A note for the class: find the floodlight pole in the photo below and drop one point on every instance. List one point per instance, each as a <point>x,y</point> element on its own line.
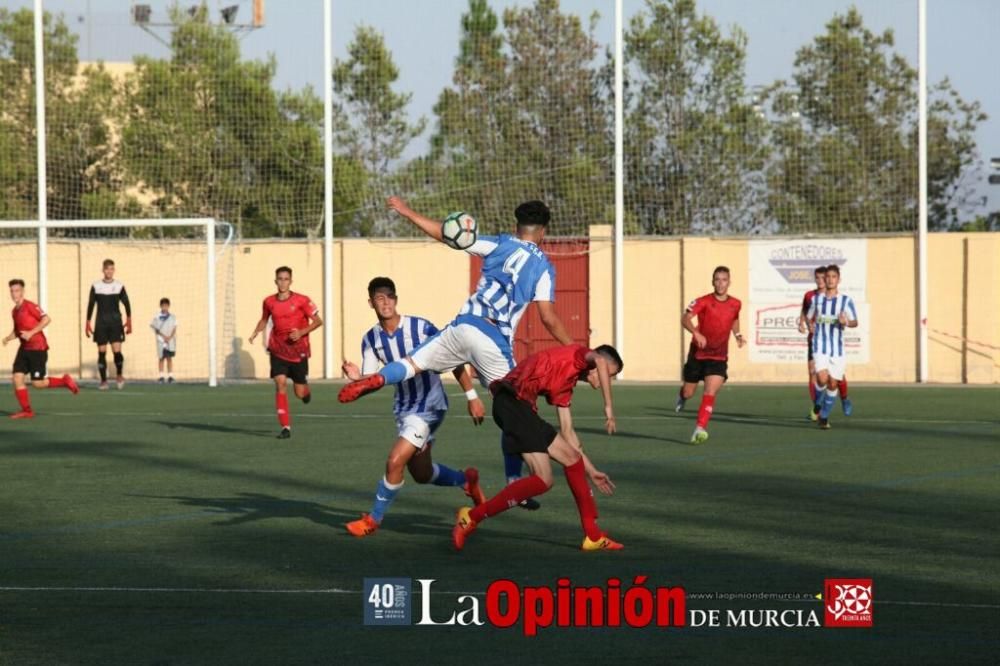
<point>328,366</point>
<point>619,256</point>
<point>43,204</point>
<point>922,340</point>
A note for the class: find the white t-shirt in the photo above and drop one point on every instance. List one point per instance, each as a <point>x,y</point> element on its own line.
<point>164,325</point>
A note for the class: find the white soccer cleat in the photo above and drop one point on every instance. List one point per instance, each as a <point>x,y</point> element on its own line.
<point>679,407</point>
<point>700,436</point>
<point>120,383</point>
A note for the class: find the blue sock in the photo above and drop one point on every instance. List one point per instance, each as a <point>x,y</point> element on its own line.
<point>820,392</point>
<point>384,494</point>
<point>512,465</point>
<point>828,401</point>
<point>395,372</point>
<point>446,476</point>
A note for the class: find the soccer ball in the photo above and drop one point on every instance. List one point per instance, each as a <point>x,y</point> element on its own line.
<point>459,231</point>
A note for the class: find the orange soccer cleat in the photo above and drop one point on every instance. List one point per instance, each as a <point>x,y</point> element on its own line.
<point>70,384</point>
<point>363,526</point>
<point>26,414</point>
<point>604,543</point>
<point>464,526</point>
<point>362,387</point>
<point>471,486</point>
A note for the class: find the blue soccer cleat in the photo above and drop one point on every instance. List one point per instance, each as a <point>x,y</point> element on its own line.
<point>848,406</point>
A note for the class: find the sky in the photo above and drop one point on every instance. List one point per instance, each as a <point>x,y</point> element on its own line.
<point>423,36</point>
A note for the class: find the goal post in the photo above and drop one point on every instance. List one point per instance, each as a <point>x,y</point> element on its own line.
<point>76,232</point>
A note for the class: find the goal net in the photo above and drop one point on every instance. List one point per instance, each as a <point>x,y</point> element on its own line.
<point>184,260</point>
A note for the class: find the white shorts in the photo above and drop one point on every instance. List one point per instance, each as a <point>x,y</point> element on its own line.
<point>419,429</point>
<point>468,339</point>
<point>836,366</point>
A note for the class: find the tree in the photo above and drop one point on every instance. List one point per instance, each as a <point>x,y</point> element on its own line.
<point>526,121</point>
<point>372,128</point>
<point>694,144</point>
<point>846,138</point>
<point>206,135</point>
<point>83,179</point>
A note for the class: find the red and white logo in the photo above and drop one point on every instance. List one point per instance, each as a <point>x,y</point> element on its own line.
<point>847,602</point>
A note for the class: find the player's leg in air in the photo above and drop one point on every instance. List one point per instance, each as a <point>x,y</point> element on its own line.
<point>412,451</point>
<point>713,383</point>
<point>538,483</point>
<point>815,388</point>
<point>33,364</point>
<point>826,375</point>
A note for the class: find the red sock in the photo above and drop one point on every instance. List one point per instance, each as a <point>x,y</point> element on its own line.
<point>512,495</point>
<point>576,477</point>
<point>56,382</point>
<point>843,388</point>
<point>705,410</point>
<point>281,405</point>
<point>22,397</point>
<point>812,391</point>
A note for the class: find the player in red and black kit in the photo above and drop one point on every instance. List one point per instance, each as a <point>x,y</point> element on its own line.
<point>718,315</point>
<point>552,373</point>
<point>820,276</point>
<point>33,354</point>
<point>293,317</point>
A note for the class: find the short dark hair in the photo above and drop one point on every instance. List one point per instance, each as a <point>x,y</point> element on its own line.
<point>819,269</point>
<point>282,269</point>
<point>833,268</point>
<point>720,269</point>
<point>532,213</point>
<point>610,353</point>
<point>381,284</point>
<point>164,301</point>
<point>16,281</point>
<point>108,262</point>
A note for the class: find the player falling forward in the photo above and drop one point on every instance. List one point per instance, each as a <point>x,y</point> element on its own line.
<point>293,317</point>
<point>420,406</point>
<point>814,388</point>
<point>718,315</point>
<point>515,273</point>
<point>552,373</point>
<point>108,294</point>
<point>33,354</point>
<point>830,313</point>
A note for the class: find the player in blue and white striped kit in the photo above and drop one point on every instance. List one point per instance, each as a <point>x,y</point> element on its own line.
<point>516,272</point>
<point>420,406</point>
<point>829,314</point>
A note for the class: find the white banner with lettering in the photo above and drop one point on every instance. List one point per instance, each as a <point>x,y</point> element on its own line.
<point>781,272</point>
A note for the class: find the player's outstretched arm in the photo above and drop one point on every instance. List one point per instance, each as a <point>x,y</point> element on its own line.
<point>553,324</point>
<point>604,375</point>
<point>430,227</point>
<point>476,408</point>
<point>566,430</point>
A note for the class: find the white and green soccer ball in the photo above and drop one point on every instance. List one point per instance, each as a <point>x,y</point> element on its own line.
<point>459,231</point>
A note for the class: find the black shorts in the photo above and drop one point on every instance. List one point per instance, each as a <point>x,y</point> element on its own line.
<point>524,431</point>
<point>105,333</point>
<point>696,370</point>
<point>297,372</point>
<point>31,363</point>
<point>166,353</point>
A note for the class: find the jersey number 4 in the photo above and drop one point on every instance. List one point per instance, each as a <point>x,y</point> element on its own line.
<point>515,262</point>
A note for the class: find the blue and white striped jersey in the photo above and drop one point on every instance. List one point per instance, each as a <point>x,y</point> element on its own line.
<point>825,311</point>
<point>423,393</point>
<point>515,273</point>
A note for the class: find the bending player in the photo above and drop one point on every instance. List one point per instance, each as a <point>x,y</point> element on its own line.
<point>420,406</point>
<point>107,294</point>
<point>815,389</point>
<point>718,315</point>
<point>293,317</point>
<point>552,373</point>
<point>33,354</point>
<point>830,313</point>
<point>515,273</point>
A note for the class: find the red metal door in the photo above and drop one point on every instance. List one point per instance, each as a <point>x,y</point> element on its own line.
<point>571,260</point>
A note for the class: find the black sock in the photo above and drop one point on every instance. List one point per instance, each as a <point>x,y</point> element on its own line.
<point>102,365</point>
<point>119,362</point>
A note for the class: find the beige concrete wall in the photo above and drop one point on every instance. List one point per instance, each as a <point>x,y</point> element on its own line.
<point>661,276</point>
